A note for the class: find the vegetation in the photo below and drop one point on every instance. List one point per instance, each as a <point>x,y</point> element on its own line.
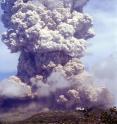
<point>89,116</point>
<point>109,116</point>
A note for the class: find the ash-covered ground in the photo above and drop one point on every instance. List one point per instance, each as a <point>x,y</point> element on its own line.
<point>86,116</point>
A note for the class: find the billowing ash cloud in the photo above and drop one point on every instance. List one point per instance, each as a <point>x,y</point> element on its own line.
<point>51,38</point>
<point>13,87</point>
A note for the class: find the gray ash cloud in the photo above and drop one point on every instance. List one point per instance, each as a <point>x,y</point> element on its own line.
<point>51,38</point>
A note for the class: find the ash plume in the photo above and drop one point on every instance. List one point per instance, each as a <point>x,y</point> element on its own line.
<point>51,38</point>
<point>13,87</point>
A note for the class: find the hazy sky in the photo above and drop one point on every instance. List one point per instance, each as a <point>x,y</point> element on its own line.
<point>102,60</point>
<point>102,45</point>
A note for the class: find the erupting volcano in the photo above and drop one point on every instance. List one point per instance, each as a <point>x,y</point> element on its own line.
<point>51,37</point>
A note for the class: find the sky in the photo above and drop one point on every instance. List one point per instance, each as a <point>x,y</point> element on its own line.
<point>104,13</point>
<point>102,48</point>
<point>101,58</point>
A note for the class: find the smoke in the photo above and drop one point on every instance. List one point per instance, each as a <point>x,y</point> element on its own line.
<point>13,88</point>
<point>51,38</point>
<point>106,72</point>
<point>54,82</point>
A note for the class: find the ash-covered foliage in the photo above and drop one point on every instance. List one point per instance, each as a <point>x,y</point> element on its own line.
<point>87,116</point>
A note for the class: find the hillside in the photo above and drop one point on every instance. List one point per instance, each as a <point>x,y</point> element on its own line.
<point>90,116</point>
